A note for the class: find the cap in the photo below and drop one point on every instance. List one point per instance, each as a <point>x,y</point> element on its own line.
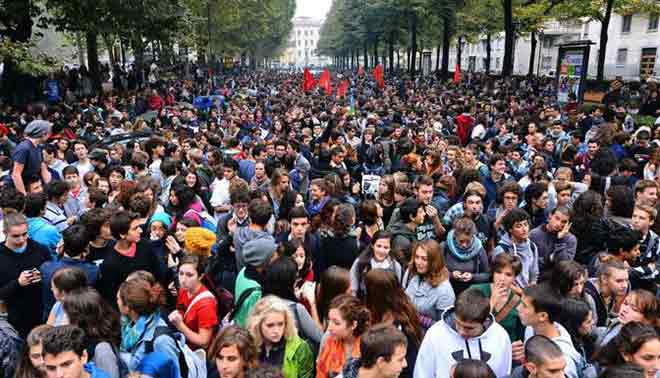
<point>98,155</point>
<point>37,129</point>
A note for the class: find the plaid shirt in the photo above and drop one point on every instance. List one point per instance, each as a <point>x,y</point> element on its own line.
<point>10,346</point>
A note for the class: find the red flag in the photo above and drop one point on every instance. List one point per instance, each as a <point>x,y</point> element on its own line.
<point>457,74</point>
<point>324,81</point>
<point>378,76</point>
<point>342,88</point>
<point>308,82</point>
<point>360,71</point>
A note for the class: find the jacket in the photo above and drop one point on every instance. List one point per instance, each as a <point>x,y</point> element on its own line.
<point>10,347</point>
<point>575,362</point>
<point>529,256</point>
<point>163,343</point>
<point>243,282</point>
<point>402,238</point>
<point>49,268</point>
<point>24,303</point>
<point>428,300</point>
<point>357,278</point>
<point>44,233</point>
<point>443,347</point>
<point>298,359</point>
<point>552,249</point>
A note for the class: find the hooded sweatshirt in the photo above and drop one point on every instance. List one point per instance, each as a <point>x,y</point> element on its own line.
<point>244,235</point>
<point>402,237</point>
<point>443,347</point>
<point>529,256</point>
<point>575,363</point>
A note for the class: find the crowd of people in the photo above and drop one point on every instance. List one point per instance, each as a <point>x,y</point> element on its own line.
<point>248,228</point>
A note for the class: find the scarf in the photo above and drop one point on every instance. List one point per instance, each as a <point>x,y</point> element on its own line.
<point>132,333</point>
<point>464,254</point>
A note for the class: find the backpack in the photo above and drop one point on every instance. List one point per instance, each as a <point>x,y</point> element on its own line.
<point>207,220</point>
<point>229,318</point>
<point>191,364</point>
<point>121,364</point>
<point>223,297</point>
<point>293,306</point>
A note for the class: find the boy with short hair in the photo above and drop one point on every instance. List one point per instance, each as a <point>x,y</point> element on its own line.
<point>645,273</point>
<point>516,241</point>
<point>539,308</point>
<point>65,354</point>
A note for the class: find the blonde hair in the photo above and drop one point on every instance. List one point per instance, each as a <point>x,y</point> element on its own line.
<point>264,307</point>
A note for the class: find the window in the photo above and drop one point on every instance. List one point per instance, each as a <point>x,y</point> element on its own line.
<point>547,42</point>
<point>621,57</point>
<point>546,62</point>
<point>653,21</point>
<point>497,63</point>
<point>625,25</point>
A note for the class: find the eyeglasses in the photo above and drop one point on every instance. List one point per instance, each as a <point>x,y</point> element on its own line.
<point>241,205</point>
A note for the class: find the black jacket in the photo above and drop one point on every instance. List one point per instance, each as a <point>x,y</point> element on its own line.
<point>24,304</point>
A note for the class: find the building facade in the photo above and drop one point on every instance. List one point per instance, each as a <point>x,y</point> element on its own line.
<point>633,48</point>
<point>301,46</point>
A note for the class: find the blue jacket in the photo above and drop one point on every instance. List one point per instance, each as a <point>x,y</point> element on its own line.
<point>95,372</point>
<point>45,234</point>
<point>163,343</point>
<point>49,268</point>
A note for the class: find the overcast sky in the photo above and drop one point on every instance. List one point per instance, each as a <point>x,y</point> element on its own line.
<point>313,8</point>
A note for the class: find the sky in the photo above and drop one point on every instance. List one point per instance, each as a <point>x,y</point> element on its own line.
<point>313,8</point>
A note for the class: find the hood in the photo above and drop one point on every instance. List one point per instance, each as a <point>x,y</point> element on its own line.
<point>523,250</point>
<point>482,347</point>
<point>400,228</point>
<point>245,234</point>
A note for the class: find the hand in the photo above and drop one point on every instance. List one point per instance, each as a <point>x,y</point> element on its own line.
<point>518,351</point>
<point>457,275</point>
<point>562,234</point>
<point>467,276</point>
<point>71,220</point>
<point>431,211</point>
<point>309,292</point>
<point>25,278</point>
<point>173,290</point>
<point>231,225</point>
<point>175,318</point>
<point>35,276</point>
<point>172,244</point>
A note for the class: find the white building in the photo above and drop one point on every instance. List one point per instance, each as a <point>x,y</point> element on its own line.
<point>632,50</point>
<point>301,48</point>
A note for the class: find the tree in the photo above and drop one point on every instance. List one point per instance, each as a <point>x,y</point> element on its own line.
<point>479,20</point>
<point>601,11</point>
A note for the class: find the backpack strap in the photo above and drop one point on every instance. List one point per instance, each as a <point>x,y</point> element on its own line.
<point>504,311</point>
<point>241,299</point>
<point>199,297</point>
<point>166,331</point>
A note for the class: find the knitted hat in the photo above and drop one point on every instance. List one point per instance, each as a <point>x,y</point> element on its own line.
<point>198,241</point>
<point>162,218</point>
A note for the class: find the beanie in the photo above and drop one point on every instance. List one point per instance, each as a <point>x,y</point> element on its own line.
<point>199,241</point>
<point>258,252</point>
<point>162,218</point>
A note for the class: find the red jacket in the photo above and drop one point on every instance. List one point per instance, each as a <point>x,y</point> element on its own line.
<point>464,124</point>
<point>155,102</point>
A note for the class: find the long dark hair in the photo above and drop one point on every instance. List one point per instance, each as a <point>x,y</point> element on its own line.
<point>574,313</point>
<point>364,260</point>
<point>185,197</point>
<point>281,278</point>
<point>89,311</point>
<point>587,210</point>
<point>385,294</point>
<point>333,282</point>
<point>290,247</point>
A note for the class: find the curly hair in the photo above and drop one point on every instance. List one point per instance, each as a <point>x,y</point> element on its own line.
<point>352,310</point>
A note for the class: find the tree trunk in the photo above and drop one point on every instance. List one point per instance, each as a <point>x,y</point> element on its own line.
<point>366,55</point>
<point>437,58</point>
<point>507,65</point>
<point>398,60</point>
<point>413,43</point>
<point>391,51</point>
<point>376,52</point>
<point>532,53</point>
<point>408,59</point>
<point>446,37</point>
<point>459,51</point>
<point>81,49</point>
<point>93,61</point>
<point>603,40</point>
<point>488,53</point>
<point>421,56</point>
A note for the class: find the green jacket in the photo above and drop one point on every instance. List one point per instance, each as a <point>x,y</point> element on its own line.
<point>298,359</point>
<point>243,283</point>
